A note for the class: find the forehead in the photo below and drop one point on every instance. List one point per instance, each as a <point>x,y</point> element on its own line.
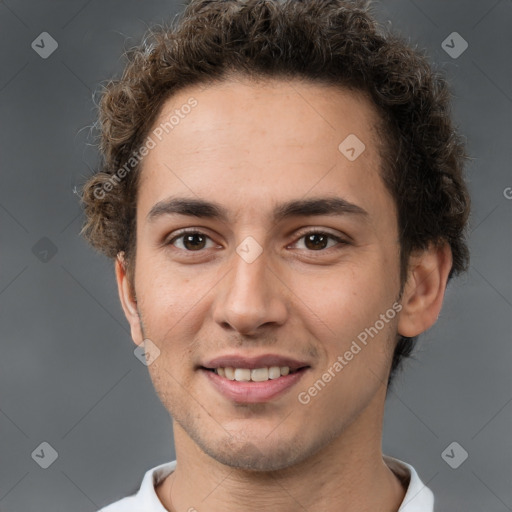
<point>275,137</point>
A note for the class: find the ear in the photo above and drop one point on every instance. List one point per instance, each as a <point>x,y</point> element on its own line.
<point>424,289</point>
<point>128,301</point>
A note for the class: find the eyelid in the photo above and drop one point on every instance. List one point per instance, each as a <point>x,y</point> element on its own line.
<point>341,239</point>
<point>185,231</point>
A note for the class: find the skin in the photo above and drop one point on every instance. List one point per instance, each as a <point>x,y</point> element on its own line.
<point>248,147</point>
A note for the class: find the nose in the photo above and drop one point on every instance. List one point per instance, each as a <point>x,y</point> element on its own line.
<point>250,297</point>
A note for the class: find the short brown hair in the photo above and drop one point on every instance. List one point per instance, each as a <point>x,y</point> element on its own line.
<point>334,42</point>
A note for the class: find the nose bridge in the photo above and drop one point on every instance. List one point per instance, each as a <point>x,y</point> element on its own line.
<point>250,296</point>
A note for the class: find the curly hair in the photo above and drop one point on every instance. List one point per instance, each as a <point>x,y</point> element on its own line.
<point>333,42</point>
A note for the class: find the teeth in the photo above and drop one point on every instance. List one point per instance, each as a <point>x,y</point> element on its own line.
<point>274,372</point>
<point>255,375</point>
<point>259,374</point>
<point>242,374</point>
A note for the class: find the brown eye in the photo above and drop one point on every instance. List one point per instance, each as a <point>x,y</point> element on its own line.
<point>191,241</point>
<point>194,241</point>
<point>316,241</point>
<point>319,240</point>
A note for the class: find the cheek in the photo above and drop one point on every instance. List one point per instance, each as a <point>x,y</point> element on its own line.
<point>168,301</point>
<point>346,322</point>
<point>345,300</point>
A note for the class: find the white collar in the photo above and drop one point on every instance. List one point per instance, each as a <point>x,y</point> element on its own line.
<point>418,498</point>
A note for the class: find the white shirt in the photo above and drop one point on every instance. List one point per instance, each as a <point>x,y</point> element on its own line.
<point>418,497</point>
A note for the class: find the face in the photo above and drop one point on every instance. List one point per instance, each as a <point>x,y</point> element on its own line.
<point>262,243</point>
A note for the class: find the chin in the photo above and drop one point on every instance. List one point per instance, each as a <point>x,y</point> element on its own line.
<point>251,457</point>
<point>255,450</point>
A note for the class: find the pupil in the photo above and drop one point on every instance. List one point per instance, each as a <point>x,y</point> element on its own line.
<point>311,238</point>
<point>189,241</point>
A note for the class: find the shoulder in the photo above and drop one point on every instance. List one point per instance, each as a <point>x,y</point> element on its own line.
<point>418,497</point>
<point>146,498</point>
<point>128,504</point>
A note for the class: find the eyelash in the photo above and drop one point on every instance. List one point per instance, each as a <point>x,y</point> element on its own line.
<point>185,232</point>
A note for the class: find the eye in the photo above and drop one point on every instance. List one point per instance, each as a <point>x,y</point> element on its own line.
<point>195,241</point>
<point>191,241</point>
<point>319,240</point>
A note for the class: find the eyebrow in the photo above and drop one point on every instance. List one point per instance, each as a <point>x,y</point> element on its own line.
<point>296,208</point>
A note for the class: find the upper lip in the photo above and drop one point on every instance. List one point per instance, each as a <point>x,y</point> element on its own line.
<point>265,360</point>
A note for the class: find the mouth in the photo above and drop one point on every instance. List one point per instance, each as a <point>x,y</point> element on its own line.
<point>251,380</point>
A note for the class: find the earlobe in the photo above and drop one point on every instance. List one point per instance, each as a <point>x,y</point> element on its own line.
<point>423,294</point>
<point>128,301</point>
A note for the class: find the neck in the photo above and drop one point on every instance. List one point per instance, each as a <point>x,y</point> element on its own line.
<point>337,478</point>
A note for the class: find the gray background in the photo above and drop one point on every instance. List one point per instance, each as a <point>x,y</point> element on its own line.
<point>68,375</point>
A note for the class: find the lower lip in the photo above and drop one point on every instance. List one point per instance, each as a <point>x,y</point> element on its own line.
<point>250,392</point>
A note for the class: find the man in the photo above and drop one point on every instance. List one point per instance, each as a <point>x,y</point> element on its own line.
<point>282,193</point>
